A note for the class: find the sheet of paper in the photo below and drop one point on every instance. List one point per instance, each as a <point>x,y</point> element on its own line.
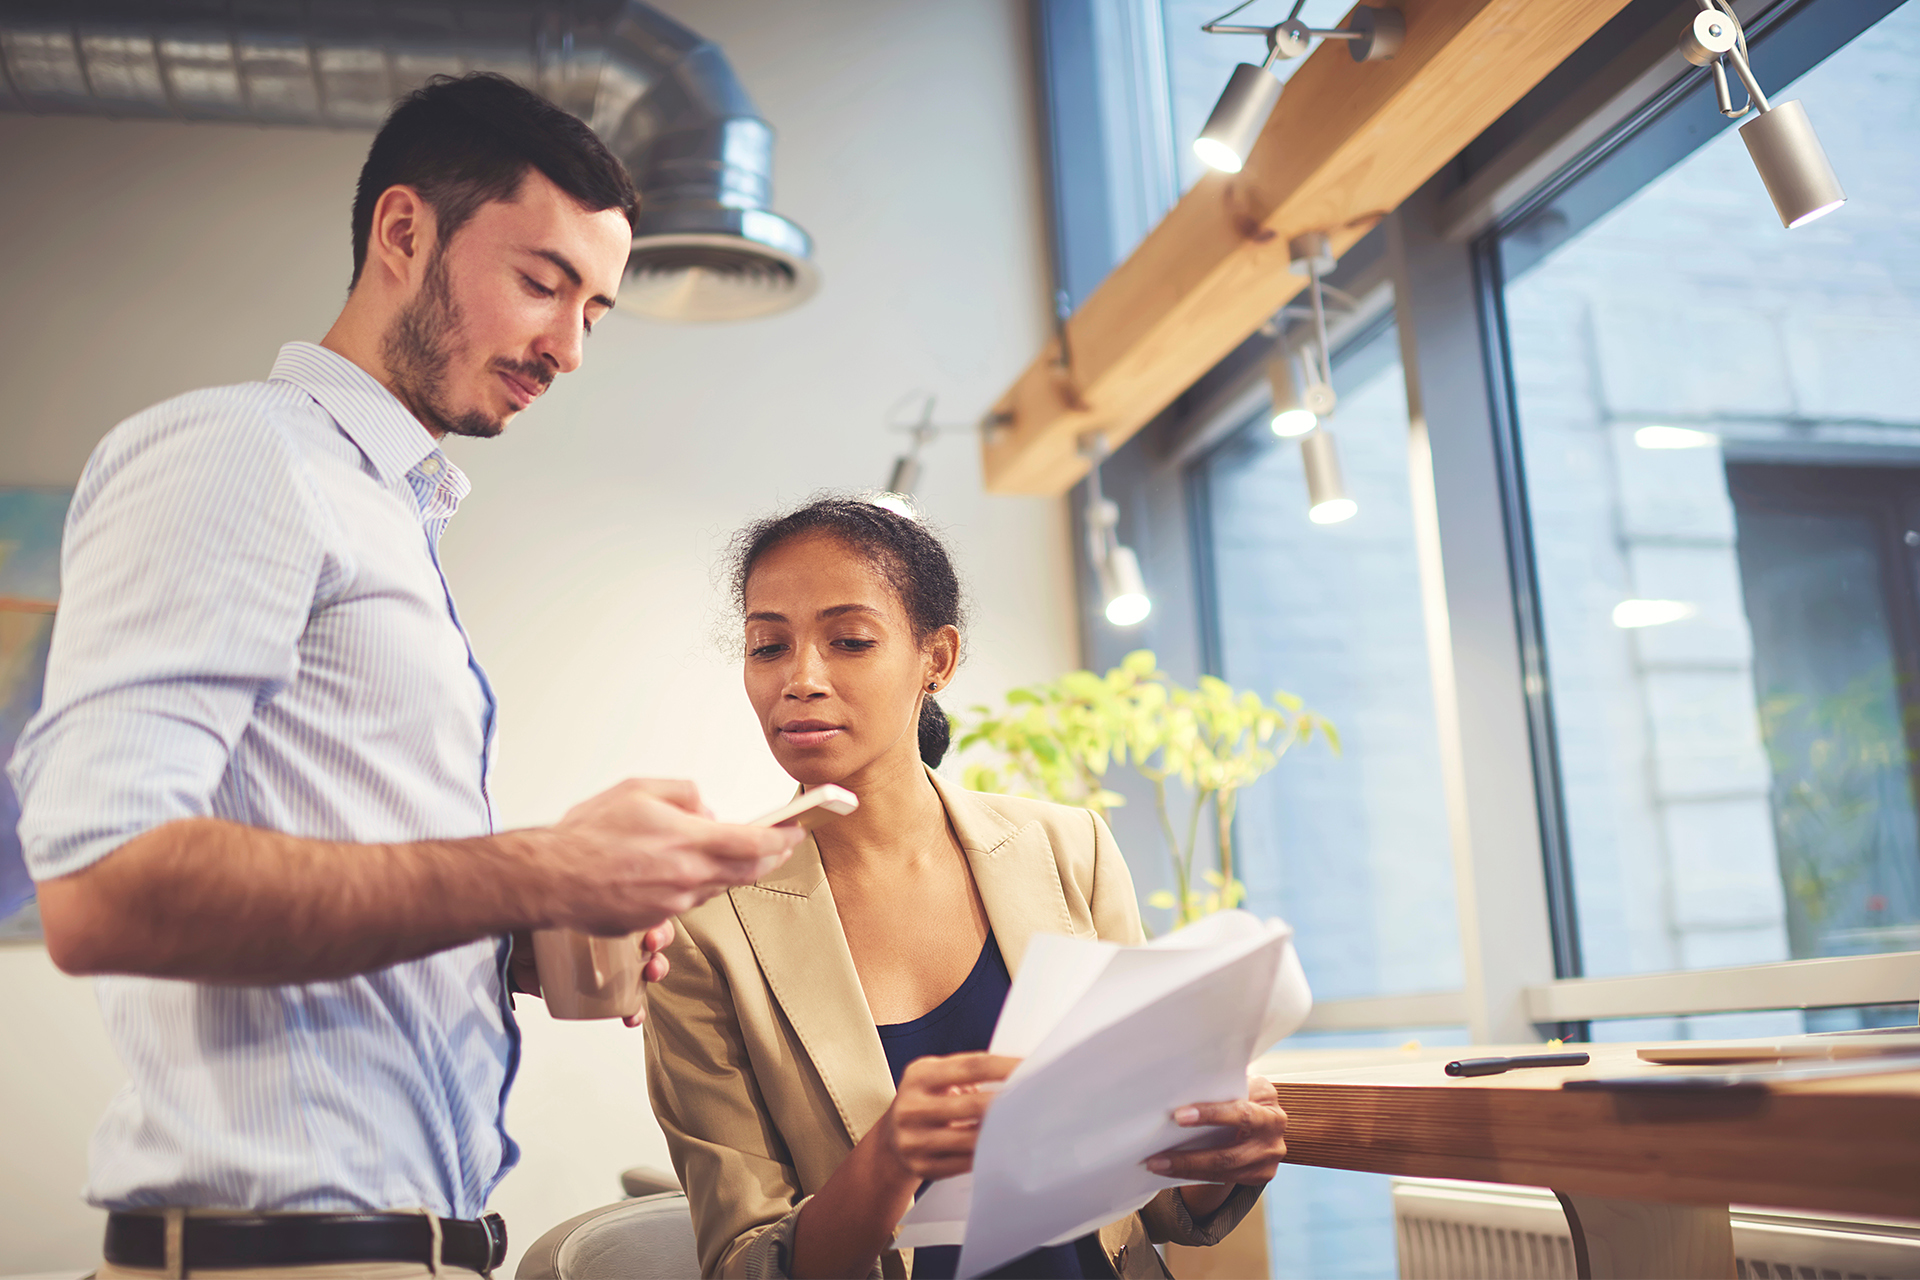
<point>939,1216</point>
<point>1113,1040</point>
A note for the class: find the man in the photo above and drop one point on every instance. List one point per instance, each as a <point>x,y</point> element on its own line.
<point>255,798</point>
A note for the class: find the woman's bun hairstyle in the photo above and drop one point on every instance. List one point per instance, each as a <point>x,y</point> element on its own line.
<point>936,732</point>
<point>904,552</point>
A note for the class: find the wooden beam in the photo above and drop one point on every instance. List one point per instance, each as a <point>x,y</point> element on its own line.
<point>1347,142</point>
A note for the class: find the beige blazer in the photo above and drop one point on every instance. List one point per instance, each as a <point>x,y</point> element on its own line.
<point>762,1059</point>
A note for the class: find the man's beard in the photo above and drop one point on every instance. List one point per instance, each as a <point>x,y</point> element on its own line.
<point>418,349</point>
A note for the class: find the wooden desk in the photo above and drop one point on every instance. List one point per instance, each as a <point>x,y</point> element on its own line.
<point>1645,1178</point>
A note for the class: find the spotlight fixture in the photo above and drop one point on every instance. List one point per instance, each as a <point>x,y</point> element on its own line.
<point>1780,139</point>
<point>1327,500</point>
<point>1251,91</point>
<point>1296,410</point>
<point>904,479</point>
<point>1123,589</point>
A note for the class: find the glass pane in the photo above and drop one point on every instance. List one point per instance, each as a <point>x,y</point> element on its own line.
<point>1351,848</point>
<point>1721,449</point>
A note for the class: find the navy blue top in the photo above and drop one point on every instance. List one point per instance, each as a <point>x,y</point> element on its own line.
<point>963,1023</point>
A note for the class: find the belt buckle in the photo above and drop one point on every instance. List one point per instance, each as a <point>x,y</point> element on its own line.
<point>496,1228</point>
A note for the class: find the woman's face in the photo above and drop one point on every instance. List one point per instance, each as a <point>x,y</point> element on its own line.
<point>833,668</point>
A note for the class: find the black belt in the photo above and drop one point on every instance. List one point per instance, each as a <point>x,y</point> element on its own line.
<point>301,1239</point>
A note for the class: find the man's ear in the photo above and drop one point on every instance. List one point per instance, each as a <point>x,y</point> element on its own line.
<point>400,242</point>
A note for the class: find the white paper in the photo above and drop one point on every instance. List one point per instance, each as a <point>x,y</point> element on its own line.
<point>1112,1040</point>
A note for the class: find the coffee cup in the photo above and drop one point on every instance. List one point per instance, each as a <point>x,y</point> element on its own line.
<point>583,976</point>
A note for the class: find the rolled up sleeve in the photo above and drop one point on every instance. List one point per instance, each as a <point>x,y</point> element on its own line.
<point>191,561</point>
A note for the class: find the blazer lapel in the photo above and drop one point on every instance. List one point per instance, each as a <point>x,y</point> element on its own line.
<point>794,927</point>
<point>1014,869</point>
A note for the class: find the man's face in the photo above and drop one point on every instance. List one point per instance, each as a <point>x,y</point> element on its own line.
<point>504,307</point>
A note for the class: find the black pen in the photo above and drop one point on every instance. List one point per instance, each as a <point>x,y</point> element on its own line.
<point>1494,1066</point>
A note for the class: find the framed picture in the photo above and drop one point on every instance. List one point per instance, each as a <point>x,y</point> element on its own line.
<point>30,523</point>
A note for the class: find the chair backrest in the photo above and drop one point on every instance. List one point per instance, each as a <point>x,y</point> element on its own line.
<point>646,1239</point>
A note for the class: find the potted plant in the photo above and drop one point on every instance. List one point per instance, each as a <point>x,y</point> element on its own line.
<point>1056,741</point>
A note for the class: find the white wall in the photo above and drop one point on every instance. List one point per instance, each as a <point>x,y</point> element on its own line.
<point>144,259</point>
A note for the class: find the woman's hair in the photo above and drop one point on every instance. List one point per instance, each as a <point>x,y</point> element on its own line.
<point>908,558</point>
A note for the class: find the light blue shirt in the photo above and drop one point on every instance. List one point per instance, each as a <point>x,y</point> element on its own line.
<point>253,626</point>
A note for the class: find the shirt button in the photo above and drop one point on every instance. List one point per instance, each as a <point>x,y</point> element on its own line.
<point>430,466</point>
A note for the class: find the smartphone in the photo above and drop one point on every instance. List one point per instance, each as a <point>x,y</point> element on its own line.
<point>821,805</point>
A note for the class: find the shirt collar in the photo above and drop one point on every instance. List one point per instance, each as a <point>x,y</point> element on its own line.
<point>392,438</point>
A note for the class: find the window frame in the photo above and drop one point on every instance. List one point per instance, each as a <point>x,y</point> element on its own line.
<point>1620,112</point>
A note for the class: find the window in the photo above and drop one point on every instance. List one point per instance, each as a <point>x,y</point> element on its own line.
<point>1352,849</point>
<point>1674,528</point>
<point>1720,448</point>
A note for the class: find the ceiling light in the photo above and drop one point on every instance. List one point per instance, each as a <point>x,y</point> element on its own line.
<point>1674,438</point>
<point>1123,589</point>
<point>904,480</point>
<point>1780,139</point>
<point>1629,614</point>
<point>1237,118</point>
<point>1241,113</point>
<point>1296,411</point>
<point>1792,163</point>
<point>905,477</point>
<point>1327,500</point>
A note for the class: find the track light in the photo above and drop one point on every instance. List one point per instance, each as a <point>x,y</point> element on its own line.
<point>1296,411</point>
<point>1298,408</point>
<point>1780,139</point>
<point>1327,498</point>
<point>905,476</point>
<point>1123,589</point>
<point>1242,111</point>
<point>904,480</point>
<point>1237,118</point>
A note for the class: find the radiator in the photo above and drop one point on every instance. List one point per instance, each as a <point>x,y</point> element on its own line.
<point>1482,1231</point>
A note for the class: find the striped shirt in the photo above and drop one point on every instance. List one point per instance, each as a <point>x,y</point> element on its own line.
<point>254,626</point>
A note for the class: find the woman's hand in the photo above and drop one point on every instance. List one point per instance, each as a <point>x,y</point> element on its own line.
<point>930,1130</point>
<point>1249,1160</point>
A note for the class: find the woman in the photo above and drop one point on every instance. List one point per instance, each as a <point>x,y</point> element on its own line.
<point>817,1053</point>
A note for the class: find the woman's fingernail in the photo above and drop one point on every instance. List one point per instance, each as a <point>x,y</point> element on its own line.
<point>1187,1115</point>
<point>1159,1164</point>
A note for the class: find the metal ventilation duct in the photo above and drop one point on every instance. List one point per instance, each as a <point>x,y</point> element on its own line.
<point>663,98</point>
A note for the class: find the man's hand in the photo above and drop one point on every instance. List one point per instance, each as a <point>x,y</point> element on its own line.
<point>642,852</point>
<point>255,907</point>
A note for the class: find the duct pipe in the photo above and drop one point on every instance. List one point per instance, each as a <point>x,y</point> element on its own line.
<point>663,98</point>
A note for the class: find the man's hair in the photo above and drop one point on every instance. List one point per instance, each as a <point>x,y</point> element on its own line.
<point>463,142</point>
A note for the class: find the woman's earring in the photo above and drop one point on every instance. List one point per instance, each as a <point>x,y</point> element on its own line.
<point>933,685</point>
